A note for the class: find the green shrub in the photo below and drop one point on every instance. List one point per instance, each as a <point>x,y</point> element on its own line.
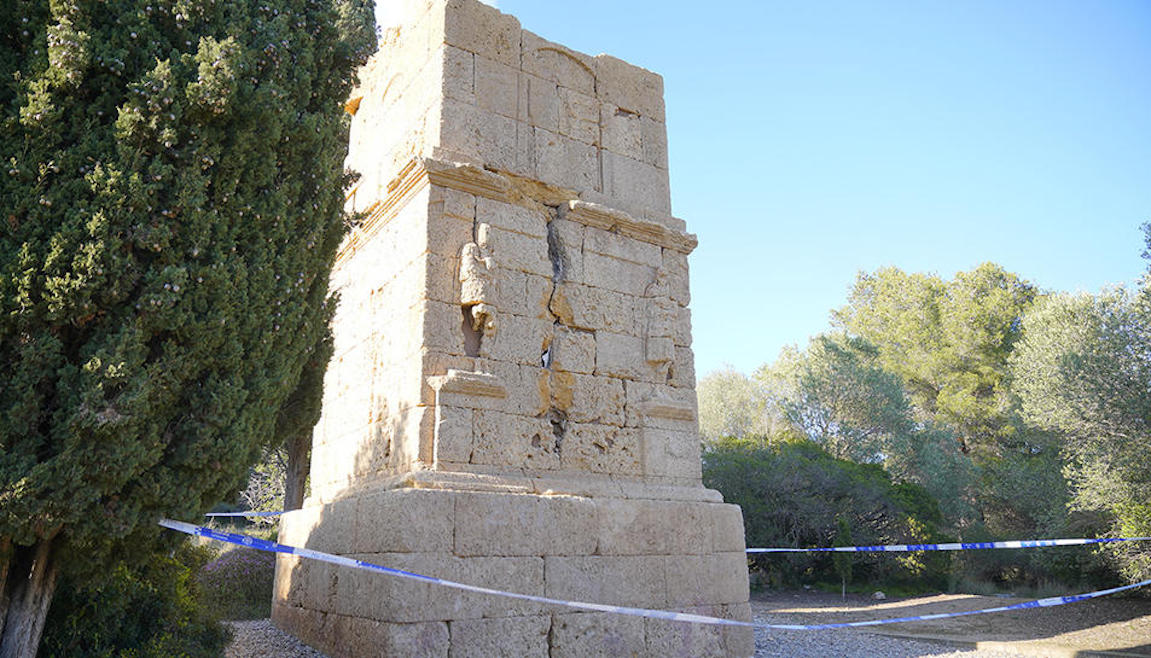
<point>792,492</point>
<point>151,609</point>
<point>238,583</point>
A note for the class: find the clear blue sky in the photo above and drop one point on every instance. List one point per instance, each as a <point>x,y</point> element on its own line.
<point>811,140</point>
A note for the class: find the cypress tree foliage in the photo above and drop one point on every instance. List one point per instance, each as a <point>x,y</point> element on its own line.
<point>170,205</point>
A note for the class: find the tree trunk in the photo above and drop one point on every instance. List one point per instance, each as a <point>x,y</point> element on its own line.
<point>296,473</point>
<point>29,581</point>
<point>5,562</point>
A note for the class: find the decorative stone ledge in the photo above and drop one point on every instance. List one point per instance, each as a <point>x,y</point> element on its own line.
<point>469,383</point>
<point>670,409</point>
<point>507,188</point>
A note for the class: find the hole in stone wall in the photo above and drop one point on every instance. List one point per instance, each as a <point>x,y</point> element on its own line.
<point>559,422</point>
<point>473,338</point>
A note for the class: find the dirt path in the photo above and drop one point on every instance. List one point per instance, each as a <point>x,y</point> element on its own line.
<point>1109,624</point>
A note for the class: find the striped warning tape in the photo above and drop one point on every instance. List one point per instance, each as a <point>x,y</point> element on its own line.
<point>245,514</point>
<point>273,547</point>
<point>888,548</point>
<point>958,546</point>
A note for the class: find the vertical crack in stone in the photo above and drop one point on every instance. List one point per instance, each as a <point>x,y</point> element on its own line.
<point>556,415</point>
<point>551,623</point>
<point>555,250</point>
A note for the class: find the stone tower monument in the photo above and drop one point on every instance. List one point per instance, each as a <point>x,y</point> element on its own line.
<point>511,402</point>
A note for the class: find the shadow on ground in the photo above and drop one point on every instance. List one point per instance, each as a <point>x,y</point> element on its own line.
<point>1107,624</point>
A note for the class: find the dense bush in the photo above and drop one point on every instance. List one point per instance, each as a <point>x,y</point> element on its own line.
<point>238,583</point>
<point>151,609</point>
<point>792,492</point>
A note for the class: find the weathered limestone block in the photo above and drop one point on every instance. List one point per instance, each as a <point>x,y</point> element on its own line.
<point>521,252</point>
<point>629,580</point>
<point>483,638</point>
<point>531,222</point>
<point>605,449</point>
<point>629,87</point>
<point>573,350</point>
<point>619,355</point>
<point>527,386</point>
<point>610,273</point>
<point>453,443</point>
<point>513,441</point>
<point>579,634</point>
<point>683,373</point>
<point>557,64</point>
<point>578,116</point>
<point>563,160</point>
<point>704,579</point>
<point>540,102</point>
<point>595,309</point>
<point>636,183</point>
<point>599,400</point>
<point>476,133</point>
<point>459,75</point>
<point>654,136</point>
<point>661,406</point>
<point>522,340</point>
<point>497,87</point>
<point>483,30</point>
<point>605,243</point>
<point>666,638</point>
<point>361,593</point>
<point>672,454</point>
<point>622,131</point>
<point>640,527</point>
<point>370,637</point>
<point>675,267</point>
<point>482,520</point>
<point>452,203</point>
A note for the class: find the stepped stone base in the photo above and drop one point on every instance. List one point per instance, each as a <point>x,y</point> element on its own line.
<point>602,542</point>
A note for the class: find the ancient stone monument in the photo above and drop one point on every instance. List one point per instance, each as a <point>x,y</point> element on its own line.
<point>512,401</point>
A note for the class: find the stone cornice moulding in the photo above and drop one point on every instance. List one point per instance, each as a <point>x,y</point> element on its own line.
<point>617,221</point>
<point>506,188</point>
<point>411,180</point>
<point>463,382</point>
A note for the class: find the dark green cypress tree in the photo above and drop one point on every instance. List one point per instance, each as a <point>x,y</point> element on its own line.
<point>170,206</point>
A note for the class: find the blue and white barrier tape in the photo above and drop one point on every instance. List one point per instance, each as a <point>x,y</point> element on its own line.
<point>964,546</point>
<point>245,514</point>
<point>265,545</point>
<point>889,548</point>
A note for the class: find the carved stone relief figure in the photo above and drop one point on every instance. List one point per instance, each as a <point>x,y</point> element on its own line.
<point>476,287</point>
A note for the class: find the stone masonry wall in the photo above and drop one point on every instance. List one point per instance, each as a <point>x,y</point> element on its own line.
<point>592,344</point>
<point>511,400</point>
<point>463,82</point>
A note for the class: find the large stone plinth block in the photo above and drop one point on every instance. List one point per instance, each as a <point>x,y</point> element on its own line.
<point>684,555</point>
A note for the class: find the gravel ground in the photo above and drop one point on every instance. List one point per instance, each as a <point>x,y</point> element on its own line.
<point>260,639</point>
<point>845,642</point>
